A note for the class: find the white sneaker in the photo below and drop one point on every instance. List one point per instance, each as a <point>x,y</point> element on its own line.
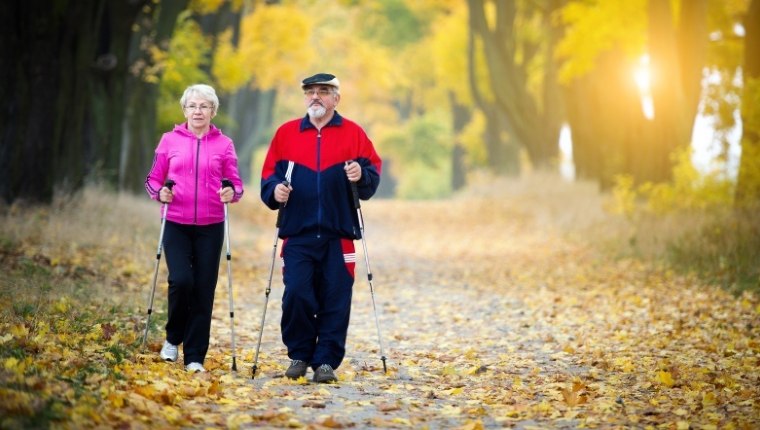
<point>195,367</point>
<point>169,352</point>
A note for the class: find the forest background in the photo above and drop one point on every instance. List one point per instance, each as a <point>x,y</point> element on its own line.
<point>570,185</point>
<point>445,88</point>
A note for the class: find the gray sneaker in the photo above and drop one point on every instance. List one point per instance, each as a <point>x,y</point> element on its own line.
<point>324,373</point>
<point>297,369</point>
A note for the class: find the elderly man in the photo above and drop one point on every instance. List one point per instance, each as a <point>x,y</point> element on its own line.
<point>307,174</point>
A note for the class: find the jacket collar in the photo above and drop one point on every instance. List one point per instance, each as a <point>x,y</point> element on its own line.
<point>335,121</point>
<point>183,130</point>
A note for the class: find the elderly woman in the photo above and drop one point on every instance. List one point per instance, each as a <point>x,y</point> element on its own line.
<point>196,156</point>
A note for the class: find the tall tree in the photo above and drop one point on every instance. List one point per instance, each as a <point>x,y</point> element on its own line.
<point>529,114</point>
<point>601,48</point>
<point>259,53</point>
<point>748,186</point>
<point>62,64</point>
<point>676,49</point>
<point>155,27</point>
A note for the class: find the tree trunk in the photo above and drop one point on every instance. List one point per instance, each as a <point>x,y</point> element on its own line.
<point>251,110</point>
<point>109,72</point>
<point>58,84</point>
<point>606,120</point>
<point>610,133</point>
<point>30,102</point>
<point>677,58</point>
<point>503,153</point>
<point>460,115</point>
<point>532,126</point>
<point>139,137</point>
<point>748,184</point>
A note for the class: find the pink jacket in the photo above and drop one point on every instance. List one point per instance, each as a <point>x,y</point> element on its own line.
<point>197,166</point>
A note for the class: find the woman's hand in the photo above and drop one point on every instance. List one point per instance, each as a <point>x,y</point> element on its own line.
<point>226,194</point>
<point>165,195</point>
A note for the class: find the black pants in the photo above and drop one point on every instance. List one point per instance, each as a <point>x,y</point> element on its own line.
<point>192,256</point>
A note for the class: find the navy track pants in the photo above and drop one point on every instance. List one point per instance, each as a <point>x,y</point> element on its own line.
<point>316,306</point>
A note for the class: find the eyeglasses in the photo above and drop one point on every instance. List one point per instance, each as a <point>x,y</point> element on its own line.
<point>203,108</point>
<point>321,92</point>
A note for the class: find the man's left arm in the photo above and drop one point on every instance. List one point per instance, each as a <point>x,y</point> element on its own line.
<point>371,165</point>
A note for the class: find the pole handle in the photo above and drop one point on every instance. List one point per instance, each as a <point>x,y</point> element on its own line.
<point>354,191</point>
<point>282,205</point>
<point>227,183</point>
<point>355,195</point>
<point>169,183</point>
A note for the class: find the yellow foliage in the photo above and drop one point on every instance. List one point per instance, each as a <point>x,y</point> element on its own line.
<point>751,105</point>
<point>594,27</point>
<point>456,307</point>
<point>473,425</point>
<point>273,47</point>
<point>665,378</point>
<point>19,330</point>
<point>205,7</point>
<point>227,69</point>
<point>749,174</point>
<point>623,196</point>
<point>471,138</point>
<point>187,53</point>
<point>236,421</point>
<point>182,65</point>
<point>62,305</point>
<point>689,189</point>
<point>448,45</point>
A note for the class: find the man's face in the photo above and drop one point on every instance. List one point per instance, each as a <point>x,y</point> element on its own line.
<point>320,99</point>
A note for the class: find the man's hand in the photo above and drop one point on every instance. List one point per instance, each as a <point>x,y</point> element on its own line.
<point>282,193</point>
<point>353,171</point>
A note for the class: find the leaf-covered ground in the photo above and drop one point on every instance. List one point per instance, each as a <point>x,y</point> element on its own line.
<point>490,318</point>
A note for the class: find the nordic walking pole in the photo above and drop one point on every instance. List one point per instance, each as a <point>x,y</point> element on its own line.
<point>269,285</point>
<point>358,207</point>
<point>168,184</point>
<point>227,183</point>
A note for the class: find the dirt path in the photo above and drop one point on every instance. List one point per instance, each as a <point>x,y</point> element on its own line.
<point>490,319</point>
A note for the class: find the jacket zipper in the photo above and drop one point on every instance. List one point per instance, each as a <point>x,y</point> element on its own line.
<point>319,184</point>
<point>197,160</point>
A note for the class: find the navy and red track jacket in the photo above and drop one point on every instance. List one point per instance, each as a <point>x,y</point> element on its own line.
<point>321,202</point>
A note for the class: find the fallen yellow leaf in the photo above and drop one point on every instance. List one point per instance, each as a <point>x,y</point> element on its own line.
<point>665,378</point>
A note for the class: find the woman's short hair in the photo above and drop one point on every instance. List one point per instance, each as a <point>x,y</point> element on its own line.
<point>202,91</point>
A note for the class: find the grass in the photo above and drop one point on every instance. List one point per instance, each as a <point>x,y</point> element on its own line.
<point>717,244</point>
<point>724,249</point>
<point>83,236</point>
<point>74,273</point>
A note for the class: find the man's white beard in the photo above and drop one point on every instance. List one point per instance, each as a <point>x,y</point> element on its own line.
<point>316,111</point>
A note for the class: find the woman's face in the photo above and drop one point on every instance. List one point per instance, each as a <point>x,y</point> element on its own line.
<point>199,112</point>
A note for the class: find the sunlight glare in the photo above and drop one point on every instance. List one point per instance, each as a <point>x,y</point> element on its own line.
<point>643,77</point>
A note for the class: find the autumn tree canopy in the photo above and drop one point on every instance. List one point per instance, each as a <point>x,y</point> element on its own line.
<point>444,87</point>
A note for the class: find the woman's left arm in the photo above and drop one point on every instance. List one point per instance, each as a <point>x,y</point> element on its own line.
<point>230,171</point>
